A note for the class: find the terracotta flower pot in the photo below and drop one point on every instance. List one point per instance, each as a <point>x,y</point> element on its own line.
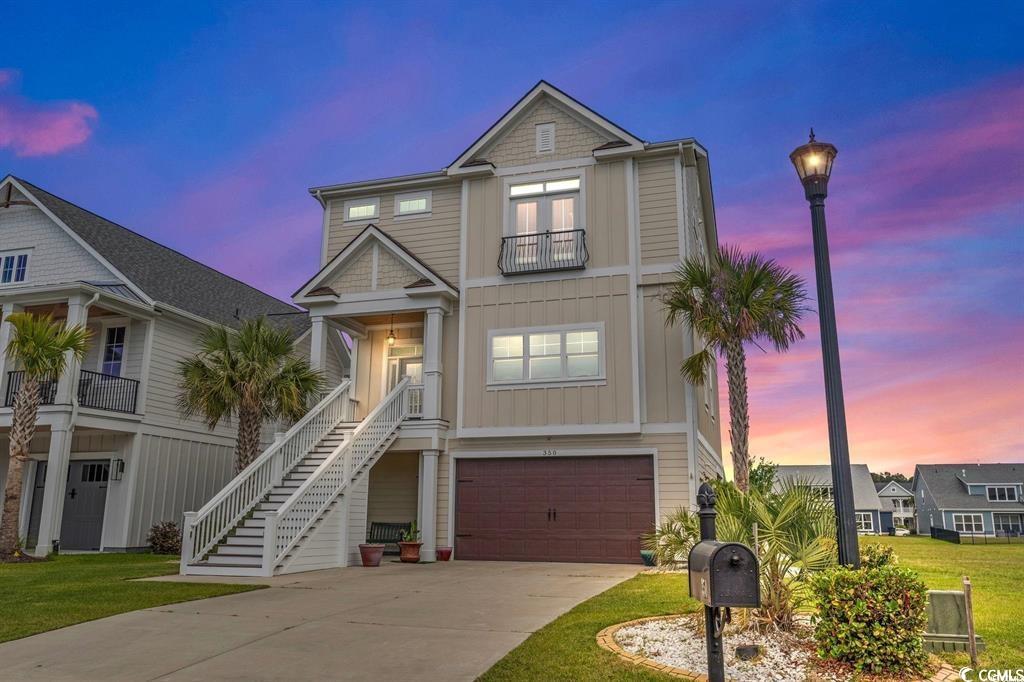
<point>444,553</point>
<point>409,552</point>
<point>371,554</point>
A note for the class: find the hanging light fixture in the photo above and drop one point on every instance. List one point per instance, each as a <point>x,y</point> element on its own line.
<point>391,332</point>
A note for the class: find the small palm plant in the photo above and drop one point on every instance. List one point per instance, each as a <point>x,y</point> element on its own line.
<point>253,374</point>
<point>729,300</point>
<point>42,348</point>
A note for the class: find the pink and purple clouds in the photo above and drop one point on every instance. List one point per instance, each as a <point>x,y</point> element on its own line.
<point>35,129</point>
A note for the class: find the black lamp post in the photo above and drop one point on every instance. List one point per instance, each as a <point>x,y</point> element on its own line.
<point>813,163</point>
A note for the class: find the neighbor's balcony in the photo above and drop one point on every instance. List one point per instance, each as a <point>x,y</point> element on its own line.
<point>96,390</point>
<point>543,252</point>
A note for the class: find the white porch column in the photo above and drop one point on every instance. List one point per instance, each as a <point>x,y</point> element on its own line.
<point>432,363</point>
<point>56,485</point>
<point>69,380</point>
<point>5,338</point>
<point>428,504</point>
<point>318,343</point>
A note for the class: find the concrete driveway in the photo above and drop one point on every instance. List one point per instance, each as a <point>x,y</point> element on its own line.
<point>448,621</point>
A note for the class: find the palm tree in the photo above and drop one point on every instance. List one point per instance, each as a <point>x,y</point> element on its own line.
<point>42,347</point>
<point>729,300</point>
<point>252,373</point>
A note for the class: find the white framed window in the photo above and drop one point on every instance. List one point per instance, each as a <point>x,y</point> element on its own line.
<point>968,523</point>
<point>545,138</point>
<point>358,210</point>
<point>114,338</point>
<point>546,355</point>
<point>13,267</point>
<point>545,206</point>
<point>1001,493</point>
<point>865,523</point>
<point>822,491</point>
<point>413,203</point>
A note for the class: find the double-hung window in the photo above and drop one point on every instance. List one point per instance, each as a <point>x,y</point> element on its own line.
<point>550,210</point>
<point>968,523</point>
<point>113,351</point>
<point>13,267</point>
<point>1001,493</point>
<point>864,522</point>
<point>546,355</point>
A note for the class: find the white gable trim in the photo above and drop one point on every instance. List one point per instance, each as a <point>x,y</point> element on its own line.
<point>376,239</point>
<point>543,88</point>
<point>74,235</point>
<point>889,484</point>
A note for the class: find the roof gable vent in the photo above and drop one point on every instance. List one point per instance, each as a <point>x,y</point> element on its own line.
<point>545,138</point>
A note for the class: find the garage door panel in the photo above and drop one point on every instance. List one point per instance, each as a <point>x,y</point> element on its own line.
<point>554,509</point>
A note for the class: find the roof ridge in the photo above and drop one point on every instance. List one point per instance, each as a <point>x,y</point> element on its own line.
<point>154,242</point>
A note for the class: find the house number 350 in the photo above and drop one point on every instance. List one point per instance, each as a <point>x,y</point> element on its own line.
<point>549,453</point>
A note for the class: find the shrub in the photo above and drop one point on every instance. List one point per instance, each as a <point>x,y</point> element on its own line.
<point>876,556</point>
<point>165,538</point>
<point>871,618</point>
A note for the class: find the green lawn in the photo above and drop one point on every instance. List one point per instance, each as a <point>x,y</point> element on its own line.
<point>69,589</point>
<point>565,649</point>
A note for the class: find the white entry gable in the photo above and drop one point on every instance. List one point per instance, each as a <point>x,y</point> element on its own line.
<point>372,263</point>
<point>545,124</point>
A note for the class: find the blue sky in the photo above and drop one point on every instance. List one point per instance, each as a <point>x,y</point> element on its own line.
<point>202,125</point>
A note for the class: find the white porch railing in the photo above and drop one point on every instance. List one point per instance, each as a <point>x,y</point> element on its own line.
<point>206,527</point>
<point>291,520</point>
<point>416,400</point>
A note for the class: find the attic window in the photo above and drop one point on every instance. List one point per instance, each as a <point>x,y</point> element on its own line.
<point>362,209</point>
<point>13,267</point>
<point>412,203</point>
<point>1001,493</point>
<point>545,138</point>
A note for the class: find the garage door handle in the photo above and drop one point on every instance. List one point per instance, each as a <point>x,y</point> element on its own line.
<point>556,515</point>
<point>463,535</point>
<point>549,513</point>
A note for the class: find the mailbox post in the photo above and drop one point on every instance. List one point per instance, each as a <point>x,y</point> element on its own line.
<point>722,575</point>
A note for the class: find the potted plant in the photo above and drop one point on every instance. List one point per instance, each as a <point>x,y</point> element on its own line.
<point>371,554</point>
<point>444,553</point>
<point>409,545</point>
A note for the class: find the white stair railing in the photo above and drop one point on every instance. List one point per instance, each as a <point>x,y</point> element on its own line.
<point>286,526</point>
<point>208,526</point>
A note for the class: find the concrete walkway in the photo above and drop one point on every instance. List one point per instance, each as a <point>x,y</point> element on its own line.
<point>447,621</point>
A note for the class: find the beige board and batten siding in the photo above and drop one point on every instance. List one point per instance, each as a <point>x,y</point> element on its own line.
<point>605,219</point>
<point>433,237</point>
<point>664,386</point>
<point>659,223</point>
<point>394,480</point>
<point>518,146</point>
<point>537,304</point>
<point>55,257</point>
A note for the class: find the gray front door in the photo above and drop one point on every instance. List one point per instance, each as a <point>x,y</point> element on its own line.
<point>86,494</point>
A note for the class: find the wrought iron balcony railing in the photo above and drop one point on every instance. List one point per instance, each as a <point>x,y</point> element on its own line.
<point>96,390</point>
<point>543,252</point>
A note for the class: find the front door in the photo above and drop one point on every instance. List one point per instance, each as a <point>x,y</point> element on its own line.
<point>84,499</point>
<point>399,368</point>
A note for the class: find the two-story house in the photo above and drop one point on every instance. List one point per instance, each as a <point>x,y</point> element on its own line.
<point>515,389</point>
<point>111,455</point>
<point>897,505</point>
<point>972,499</point>
<point>871,516</point>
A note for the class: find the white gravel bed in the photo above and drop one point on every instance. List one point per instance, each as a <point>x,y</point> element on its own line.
<point>674,642</point>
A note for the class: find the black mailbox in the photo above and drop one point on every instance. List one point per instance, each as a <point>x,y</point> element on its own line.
<point>724,574</point>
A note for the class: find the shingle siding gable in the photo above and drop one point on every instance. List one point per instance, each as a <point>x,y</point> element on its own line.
<point>518,146</point>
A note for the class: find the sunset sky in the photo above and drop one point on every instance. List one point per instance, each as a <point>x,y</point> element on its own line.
<point>201,126</point>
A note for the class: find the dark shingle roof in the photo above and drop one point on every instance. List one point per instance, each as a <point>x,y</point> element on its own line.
<point>165,275</point>
<point>864,495</point>
<point>946,484</point>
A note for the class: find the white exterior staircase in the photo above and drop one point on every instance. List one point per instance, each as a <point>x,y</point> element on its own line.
<point>289,505</point>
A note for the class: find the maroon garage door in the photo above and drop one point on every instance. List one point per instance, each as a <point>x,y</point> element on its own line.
<point>553,509</point>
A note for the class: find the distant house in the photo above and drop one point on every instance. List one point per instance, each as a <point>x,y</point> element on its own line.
<point>897,505</point>
<point>819,478</point>
<point>979,499</point>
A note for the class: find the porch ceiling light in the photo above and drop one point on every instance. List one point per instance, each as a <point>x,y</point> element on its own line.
<point>391,332</point>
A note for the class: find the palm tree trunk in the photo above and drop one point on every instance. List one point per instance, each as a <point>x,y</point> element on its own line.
<point>739,418</point>
<point>23,428</point>
<point>250,425</point>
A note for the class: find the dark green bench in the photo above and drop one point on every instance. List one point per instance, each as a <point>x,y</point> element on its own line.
<point>387,534</point>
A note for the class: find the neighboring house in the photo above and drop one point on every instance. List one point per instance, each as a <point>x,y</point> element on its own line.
<point>897,505</point>
<point>515,389</point>
<point>111,455</point>
<point>979,499</point>
<point>871,516</point>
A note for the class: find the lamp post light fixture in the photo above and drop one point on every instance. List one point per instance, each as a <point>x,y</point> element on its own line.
<point>813,162</point>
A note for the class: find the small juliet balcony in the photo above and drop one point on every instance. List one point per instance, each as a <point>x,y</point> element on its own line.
<point>543,252</point>
<point>95,390</point>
